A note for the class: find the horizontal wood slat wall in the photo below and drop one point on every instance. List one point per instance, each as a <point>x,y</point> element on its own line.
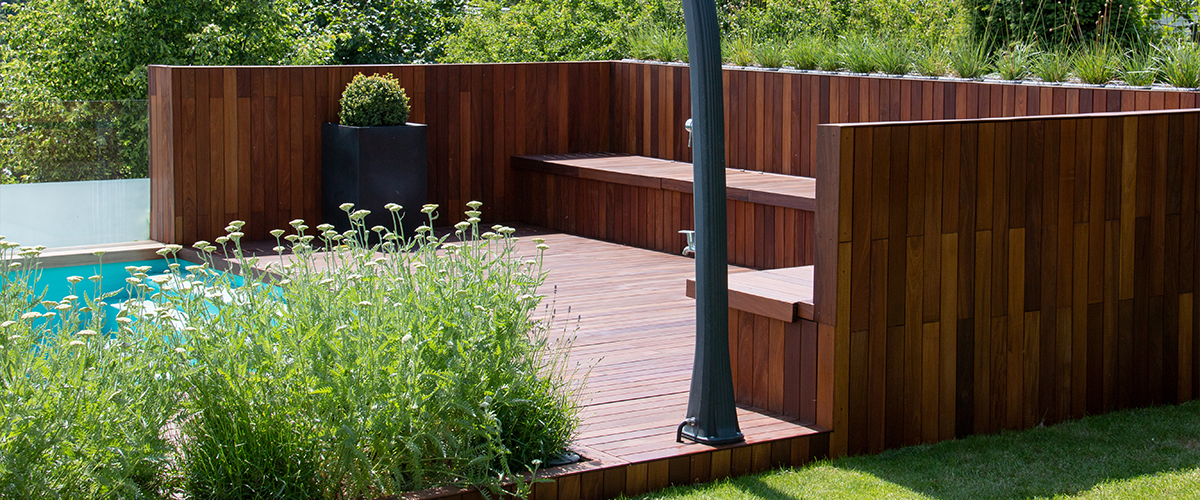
<point>771,117</point>
<point>982,275</point>
<point>760,236</point>
<point>244,142</point>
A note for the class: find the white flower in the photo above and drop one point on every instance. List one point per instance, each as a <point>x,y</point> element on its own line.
<point>31,315</point>
<point>325,228</point>
<point>429,208</point>
<point>379,229</point>
<point>74,279</point>
<point>393,207</point>
<point>237,224</point>
<point>474,204</point>
<point>296,222</point>
<point>276,232</point>
<point>543,247</point>
<point>75,343</point>
<point>201,245</point>
<point>7,324</point>
<point>86,333</point>
<point>346,207</point>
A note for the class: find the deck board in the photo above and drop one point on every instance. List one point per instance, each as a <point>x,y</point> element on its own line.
<point>637,332</point>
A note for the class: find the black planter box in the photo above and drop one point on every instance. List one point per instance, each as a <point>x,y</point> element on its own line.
<point>371,167</point>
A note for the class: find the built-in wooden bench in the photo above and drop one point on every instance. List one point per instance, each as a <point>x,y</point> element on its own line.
<point>645,202</point>
<point>773,339</point>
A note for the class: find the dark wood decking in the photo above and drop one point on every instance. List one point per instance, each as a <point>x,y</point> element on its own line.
<point>638,328</point>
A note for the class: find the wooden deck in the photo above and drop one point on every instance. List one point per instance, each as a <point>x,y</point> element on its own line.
<point>636,328</point>
<point>636,331</point>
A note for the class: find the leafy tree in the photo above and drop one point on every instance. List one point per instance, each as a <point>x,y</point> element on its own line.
<point>99,49</point>
<point>381,31</point>
<point>543,30</point>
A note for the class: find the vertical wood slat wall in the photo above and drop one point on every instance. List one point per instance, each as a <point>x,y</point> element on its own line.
<point>244,142</point>
<point>651,218</point>
<point>982,275</point>
<point>771,117</point>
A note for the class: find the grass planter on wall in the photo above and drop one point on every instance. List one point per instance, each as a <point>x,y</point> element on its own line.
<point>371,167</point>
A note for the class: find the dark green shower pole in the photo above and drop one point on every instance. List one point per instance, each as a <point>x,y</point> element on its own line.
<point>711,415</point>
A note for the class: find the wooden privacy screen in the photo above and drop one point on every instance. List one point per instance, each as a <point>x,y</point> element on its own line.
<point>244,143</point>
<point>998,274</point>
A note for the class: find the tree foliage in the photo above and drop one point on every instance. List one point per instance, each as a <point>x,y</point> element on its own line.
<point>999,23</point>
<point>99,49</point>
<point>380,31</point>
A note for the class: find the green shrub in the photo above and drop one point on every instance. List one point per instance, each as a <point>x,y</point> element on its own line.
<point>81,414</point>
<point>769,54</point>
<point>892,57</point>
<point>1053,65</point>
<point>969,59</point>
<point>1013,63</point>
<point>1137,68</point>
<point>857,54</point>
<point>807,52</point>
<point>931,61</point>
<point>738,51</point>
<point>650,42</point>
<point>552,30</point>
<point>1179,64</point>
<point>374,101</point>
<point>352,371</point>
<point>1096,64</point>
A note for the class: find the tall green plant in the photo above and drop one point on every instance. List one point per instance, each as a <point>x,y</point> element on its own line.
<point>1097,63</point>
<point>1179,64</point>
<point>1053,66</point>
<point>969,59</point>
<point>1013,63</point>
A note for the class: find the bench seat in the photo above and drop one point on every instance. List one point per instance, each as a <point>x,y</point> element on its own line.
<point>782,294</point>
<point>645,202</point>
<point>790,191</point>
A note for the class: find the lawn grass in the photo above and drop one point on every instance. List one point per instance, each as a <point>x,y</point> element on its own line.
<point>1148,453</point>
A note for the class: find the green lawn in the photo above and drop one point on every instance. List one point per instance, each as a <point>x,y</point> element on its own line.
<point>1150,453</point>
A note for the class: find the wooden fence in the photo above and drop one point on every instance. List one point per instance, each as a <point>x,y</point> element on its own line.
<point>244,142</point>
<point>999,274</point>
<point>771,117</point>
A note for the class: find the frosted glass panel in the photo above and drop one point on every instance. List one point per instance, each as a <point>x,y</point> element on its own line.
<point>58,214</point>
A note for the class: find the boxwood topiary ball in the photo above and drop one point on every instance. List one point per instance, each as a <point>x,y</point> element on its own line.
<point>374,101</point>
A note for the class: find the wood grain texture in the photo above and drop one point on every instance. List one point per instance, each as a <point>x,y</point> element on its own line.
<point>1065,261</point>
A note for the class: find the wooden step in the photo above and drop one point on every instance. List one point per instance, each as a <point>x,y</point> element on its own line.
<point>783,294</point>
<point>790,191</point>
